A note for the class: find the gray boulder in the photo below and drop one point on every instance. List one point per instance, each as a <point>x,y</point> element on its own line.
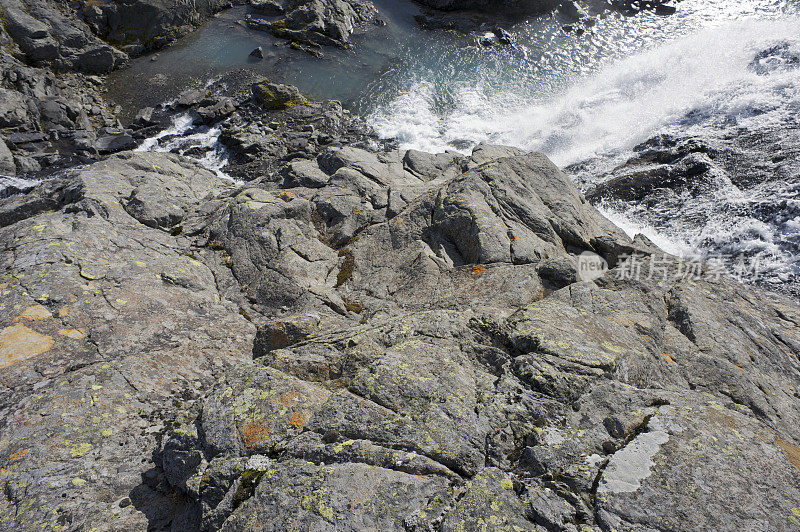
<point>13,108</point>
<point>275,96</point>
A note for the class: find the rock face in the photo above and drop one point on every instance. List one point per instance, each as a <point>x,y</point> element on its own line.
<point>52,113</point>
<point>138,26</point>
<point>52,55</point>
<point>265,125</point>
<point>110,338</point>
<point>48,119</point>
<point>47,36</point>
<point>376,340</point>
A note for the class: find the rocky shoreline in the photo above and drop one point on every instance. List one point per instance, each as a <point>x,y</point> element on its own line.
<point>351,336</point>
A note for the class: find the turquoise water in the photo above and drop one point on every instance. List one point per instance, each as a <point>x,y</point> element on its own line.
<point>223,45</point>
<point>387,62</point>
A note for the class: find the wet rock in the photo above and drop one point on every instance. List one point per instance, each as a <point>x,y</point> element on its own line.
<point>144,117</point>
<point>693,176</point>
<point>571,11</point>
<point>503,36</point>
<point>261,141</point>
<point>191,97</point>
<point>258,53</point>
<point>778,57</point>
<point>215,110</point>
<point>664,9</point>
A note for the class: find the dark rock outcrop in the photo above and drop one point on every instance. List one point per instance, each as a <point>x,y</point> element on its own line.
<point>52,113</point>
<point>313,22</point>
<point>45,35</point>
<point>139,26</point>
<point>736,183</point>
<point>48,119</point>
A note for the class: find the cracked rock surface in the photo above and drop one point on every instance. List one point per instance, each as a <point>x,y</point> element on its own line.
<point>363,340</point>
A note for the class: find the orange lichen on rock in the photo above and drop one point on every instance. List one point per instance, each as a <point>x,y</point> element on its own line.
<point>254,433</point>
<point>791,450</point>
<point>668,357</point>
<point>17,455</point>
<point>75,334</point>
<point>288,398</point>
<point>299,419</point>
<point>19,343</point>
<point>479,269</point>
<point>35,312</point>
<point>286,195</point>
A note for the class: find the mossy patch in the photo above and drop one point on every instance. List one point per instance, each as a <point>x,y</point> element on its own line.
<point>348,266</point>
<point>247,485</point>
<point>353,306</point>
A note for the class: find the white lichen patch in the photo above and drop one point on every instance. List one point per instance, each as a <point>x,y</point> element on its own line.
<point>259,462</point>
<point>553,436</point>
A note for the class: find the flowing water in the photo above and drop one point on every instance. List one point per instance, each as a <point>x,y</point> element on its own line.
<point>577,98</point>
